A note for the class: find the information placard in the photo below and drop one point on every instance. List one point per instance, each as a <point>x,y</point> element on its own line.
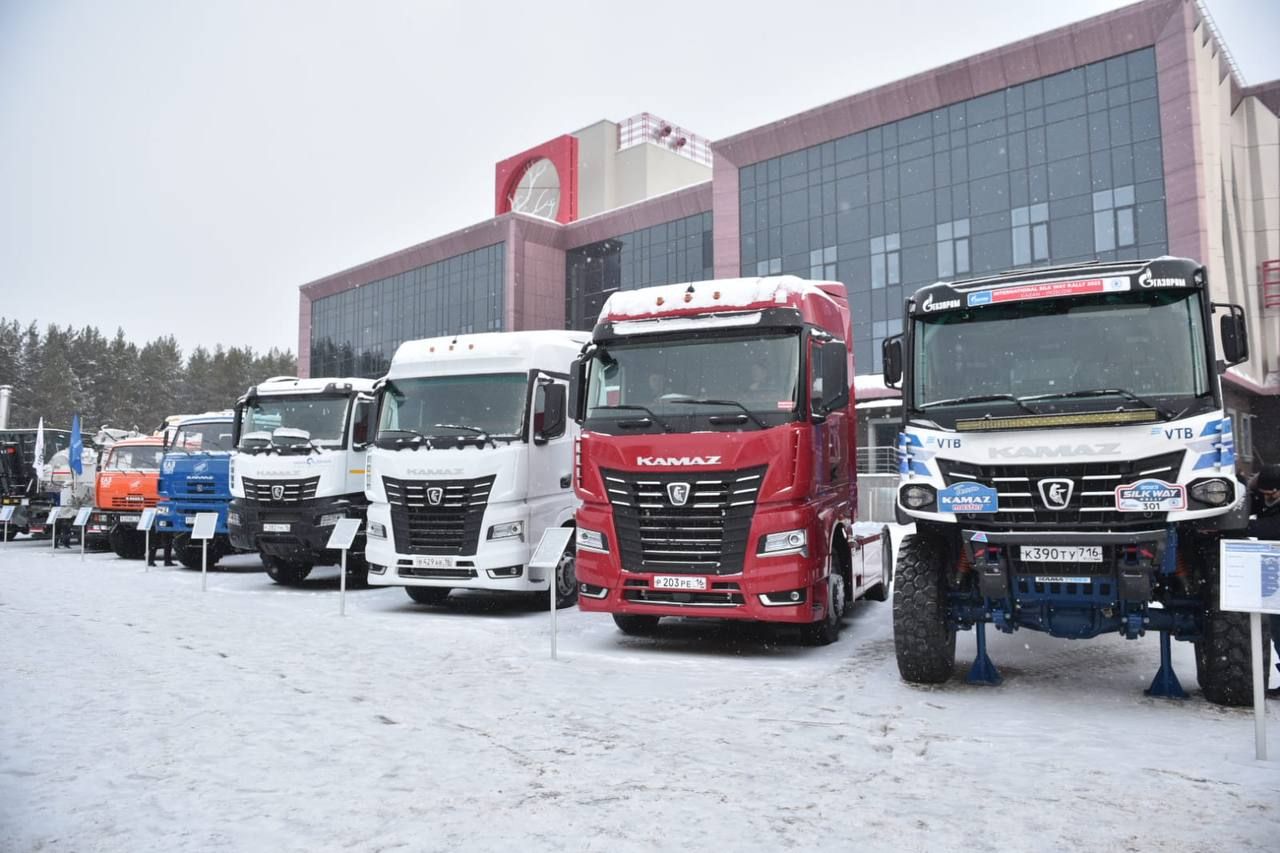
<point>1250,575</point>
<point>52,517</point>
<point>6,513</point>
<point>148,518</point>
<point>206,523</point>
<point>547,555</point>
<point>344,533</point>
<point>82,515</point>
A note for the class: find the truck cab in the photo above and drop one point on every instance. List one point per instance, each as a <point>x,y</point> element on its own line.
<point>195,478</point>
<point>1067,463</point>
<point>472,461</point>
<point>20,483</point>
<point>126,484</point>
<point>716,466</point>
<point>297,469</point>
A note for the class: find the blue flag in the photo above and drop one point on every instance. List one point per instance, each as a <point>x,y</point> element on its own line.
<point>76,450</point>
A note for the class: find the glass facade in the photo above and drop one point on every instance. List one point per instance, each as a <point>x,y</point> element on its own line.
<point>356,332</point>
<point>1061,169</point>
<point>672,252</point>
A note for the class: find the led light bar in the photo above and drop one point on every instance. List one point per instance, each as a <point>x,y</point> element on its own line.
<point>1133,416</point>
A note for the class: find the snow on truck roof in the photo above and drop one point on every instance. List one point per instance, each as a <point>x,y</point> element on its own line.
<point>291,385</point>
<point>547,349</point>
<point>731,293</point>
<point>206,417</point>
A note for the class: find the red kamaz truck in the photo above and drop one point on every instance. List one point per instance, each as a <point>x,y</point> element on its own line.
<point>716,461</point>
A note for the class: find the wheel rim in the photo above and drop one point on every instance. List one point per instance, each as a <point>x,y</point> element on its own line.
<point>566,580</point>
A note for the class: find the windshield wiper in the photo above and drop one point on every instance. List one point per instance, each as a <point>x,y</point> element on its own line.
<point>689,401</point>
<point>480,434</point>
<point>980,398</point>
<point>1103,392</point>
<point>404,437</point>
<point>666,427</point>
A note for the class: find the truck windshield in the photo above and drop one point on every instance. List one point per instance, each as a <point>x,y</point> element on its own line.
<point>324,419</point>
<point>197,438</point>
<point>489,405</point>
<point>733,382</point>
<point>1133,350</point>
<point>139,458</point>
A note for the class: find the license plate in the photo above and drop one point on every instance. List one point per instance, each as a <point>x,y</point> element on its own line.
<point>433,562</point>
<point>275,528</point>
<point>674,582</point>
<point>133,518</point>
<point>1062,553</point>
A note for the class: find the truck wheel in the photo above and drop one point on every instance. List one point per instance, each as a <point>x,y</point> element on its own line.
<point>634,625</point>
<point>126,543</point>
<point>827,630</point>
<point>880,592</point>
<point>286,572</point>
<point>357,571</point>
<point>925,643</point>
<point>428,594</point>
<point>1223,655</point>
<point>566,582</point>
<point>8,532</point>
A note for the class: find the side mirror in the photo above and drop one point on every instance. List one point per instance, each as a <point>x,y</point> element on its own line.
<point>891,361</point>
<point>1235,336</point>
<point>835,376</point>
<point>553,412</point>
<point>577,402</point>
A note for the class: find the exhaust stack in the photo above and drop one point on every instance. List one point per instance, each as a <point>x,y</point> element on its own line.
<point>6,391</point>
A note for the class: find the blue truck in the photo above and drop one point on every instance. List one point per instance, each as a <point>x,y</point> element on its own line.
<point>195,477</point>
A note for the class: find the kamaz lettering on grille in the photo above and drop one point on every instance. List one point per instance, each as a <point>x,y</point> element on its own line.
<point>1061,450</point>
<point>677,460</point>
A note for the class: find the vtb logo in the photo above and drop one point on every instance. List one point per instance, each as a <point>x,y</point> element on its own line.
<point>1056,493</point>
<point>435,494</point>
<point>678,493</point>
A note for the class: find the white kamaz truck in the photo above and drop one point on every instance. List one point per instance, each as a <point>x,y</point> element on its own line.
<point>472,461</point>
<point>297,469</point>
<point>1068,466</point>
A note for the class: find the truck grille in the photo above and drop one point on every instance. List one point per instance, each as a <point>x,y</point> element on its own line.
<point>437,516</point>
<point>204,487</point>
<point>131,502</point>
<point>1093,486</point>
<point>704,534</point>
<point>289,491</point>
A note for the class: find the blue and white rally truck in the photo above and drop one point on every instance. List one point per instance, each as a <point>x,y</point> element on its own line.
<point>195,478</point>
<point>1068,465</point>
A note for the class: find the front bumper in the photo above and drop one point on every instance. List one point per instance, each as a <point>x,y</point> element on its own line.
<point>291,532</point>
<point>177,517</point>
<point>501,564</point>
<point>605,586</point>
<point>103,521</point>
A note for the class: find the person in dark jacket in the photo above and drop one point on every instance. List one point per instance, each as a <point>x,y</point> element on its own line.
<point>1264,506</point>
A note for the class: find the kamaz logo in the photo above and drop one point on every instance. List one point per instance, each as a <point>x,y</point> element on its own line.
<point>201,467</point>
<point>940,305</point>
<point>677,460</point>
<point>1058,452</point>
<point>433,472</point>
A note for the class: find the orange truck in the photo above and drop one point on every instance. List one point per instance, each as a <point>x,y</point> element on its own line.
<point>126,485</point>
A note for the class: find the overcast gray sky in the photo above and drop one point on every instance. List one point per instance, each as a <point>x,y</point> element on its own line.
<point>183,167</point>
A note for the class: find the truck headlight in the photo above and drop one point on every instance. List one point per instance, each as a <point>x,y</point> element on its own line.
<point>163,509</point>
<point>916,496</point>
<point>377,530</point>
<point>331,519</point>
<point>592,540</point>
<point>507,530</point>
<point>786,542</point>
<point>1214,492</point>
<point>233,518</point>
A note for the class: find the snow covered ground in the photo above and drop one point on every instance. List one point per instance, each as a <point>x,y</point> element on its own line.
<point>138,714</point>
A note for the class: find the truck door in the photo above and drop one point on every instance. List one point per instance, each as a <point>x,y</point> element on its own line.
<point>550,454</point>
<point>828,410</point>
<point>362,430</point>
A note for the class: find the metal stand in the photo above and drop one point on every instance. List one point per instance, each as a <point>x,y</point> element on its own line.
<point>147,548</point>
<point>1166,685</point>
<point>983,670</point>
<point>204,564</point>
<point>342,586</point>
<point>1259,687</point>
<point>82,538</point>
<point>6,533</point>
<point>551,589</point>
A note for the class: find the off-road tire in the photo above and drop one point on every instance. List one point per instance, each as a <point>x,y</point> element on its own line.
<point>190,557</point>
<point>924,642</point>
<point>880,592</point>
<point>1223,658</point>
<point>428,594</point>
<point>126,544</point>
<point>8,531</point>
<point>636,625</point>
<point>286,572</point>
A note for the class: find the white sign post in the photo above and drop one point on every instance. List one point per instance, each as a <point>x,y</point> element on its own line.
<point>51,524</point>
<point>1250,573</point>
<point>145,522</point>
<point>203,530</point>
<point>544,564</point>
<point>6,515</point>
<point>341,539</point>
<point>82,518</point>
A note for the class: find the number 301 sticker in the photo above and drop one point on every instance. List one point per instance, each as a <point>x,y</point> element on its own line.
<point>1151,496</point>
